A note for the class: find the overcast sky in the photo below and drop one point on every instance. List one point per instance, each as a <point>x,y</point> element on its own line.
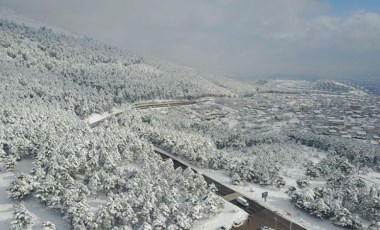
<point>230,37</point>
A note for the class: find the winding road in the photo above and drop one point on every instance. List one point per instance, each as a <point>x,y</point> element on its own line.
<point>258,215</point>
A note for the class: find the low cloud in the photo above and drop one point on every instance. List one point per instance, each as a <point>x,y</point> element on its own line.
<point>232,37</point>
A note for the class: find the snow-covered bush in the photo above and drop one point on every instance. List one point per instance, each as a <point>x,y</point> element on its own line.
<point>21,217</point>
<point>280,183</point>
<point>374,226</point>
<point>235,179</point>
<point>310,201</point>
<point>48,226</point>
<point>303,182</point>
<point>21,187</point>
<point>348,153</point>
<point>313,172</point>
<point>343,217</point>
<point>341,200</point>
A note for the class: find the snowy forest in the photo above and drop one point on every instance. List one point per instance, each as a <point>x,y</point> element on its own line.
<point>49,83</point>
<point>109,177</point>
<point>264,158</point>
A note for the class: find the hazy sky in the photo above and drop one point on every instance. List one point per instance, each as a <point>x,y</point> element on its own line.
<point>231,37</point>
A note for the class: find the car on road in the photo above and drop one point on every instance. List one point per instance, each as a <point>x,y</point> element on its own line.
<point>238,223</point>
<point>223,227</point>
<point>242,201</point>
<point>265,228</point>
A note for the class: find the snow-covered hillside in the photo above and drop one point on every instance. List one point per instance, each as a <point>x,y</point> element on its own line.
<point>105,177</point>
<point>264,143</point>
<point>95,77</point>
<point>313,145</point>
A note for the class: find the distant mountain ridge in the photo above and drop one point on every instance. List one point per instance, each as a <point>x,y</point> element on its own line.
<point>372,82</point>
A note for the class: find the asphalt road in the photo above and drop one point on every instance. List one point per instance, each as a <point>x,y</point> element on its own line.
<point>258,215</point>
<point>162,104</point>
<point>146,106</point>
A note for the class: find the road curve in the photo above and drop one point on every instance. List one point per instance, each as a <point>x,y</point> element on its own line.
<point>258,214</point>
<point>145,105</point>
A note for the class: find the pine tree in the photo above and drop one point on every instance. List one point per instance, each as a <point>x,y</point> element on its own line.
<point>21,217</point>
<point>48,226</point>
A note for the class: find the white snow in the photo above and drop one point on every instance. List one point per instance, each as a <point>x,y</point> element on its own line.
<point>277,201</point>
<point>6,204</point>
<point>39,212</point>
<point>24,166</point>
<point>372,178</point>
<point>289,84</point>
<point>229,214</point>
<point>93,118</point>
<point>42,214</point>
<point>97,117</point>
<point>96,201</point>
<point>230,122</point>
<point>146,68</point>
<point>353,89</point>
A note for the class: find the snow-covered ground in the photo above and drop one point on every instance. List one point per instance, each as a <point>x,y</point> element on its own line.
<point>39,212</point>
<point>24,50</point>
<point>229,214</point>
<point>353,90</point>
<point>372,178</point>
<point>93,118</point>
<point>288,85</point>
<point>5,202</point>
<point>95,201</point>
<point>277,201</point>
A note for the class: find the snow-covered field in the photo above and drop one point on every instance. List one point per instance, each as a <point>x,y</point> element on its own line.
<point>5,202</point>
<point>372,178</point>
<point>39,212</point>
<point>226,218</point>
